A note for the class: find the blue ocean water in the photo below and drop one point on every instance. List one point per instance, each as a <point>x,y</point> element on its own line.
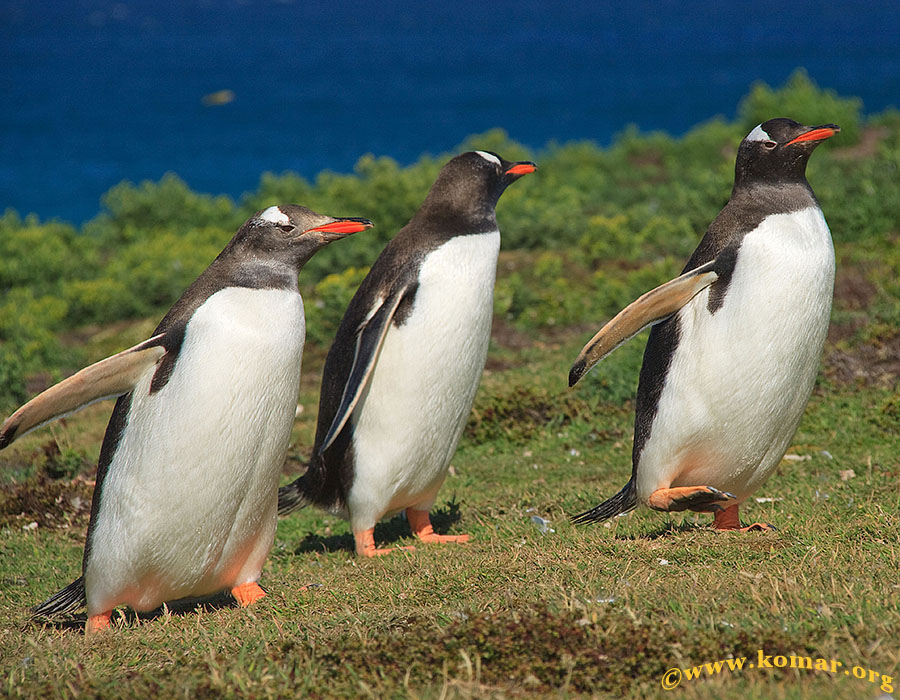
<point>97,91</point>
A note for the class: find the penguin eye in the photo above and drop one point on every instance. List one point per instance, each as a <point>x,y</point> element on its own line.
<point>769,145</point>
<point>287,228</point>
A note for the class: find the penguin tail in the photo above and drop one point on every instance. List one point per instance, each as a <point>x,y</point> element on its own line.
<point>292,497</point>
<point>70,599</point>
<point>623,502</point>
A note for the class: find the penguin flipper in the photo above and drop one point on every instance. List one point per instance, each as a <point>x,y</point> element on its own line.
<point>369,338</point>
<point>111,377</point>
<point>648,309</point>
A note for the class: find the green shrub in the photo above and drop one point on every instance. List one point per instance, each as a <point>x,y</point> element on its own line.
<point>28,328</point>
<point>12,378</point>
<point>134,211</point>
<point>326,302</point>
<point>37,256</point>
<point>158,270</point>
<point>98,300</point>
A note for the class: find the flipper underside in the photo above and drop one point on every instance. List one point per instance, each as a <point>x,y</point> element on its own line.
<point>649,309</point>
<point>105,379</point>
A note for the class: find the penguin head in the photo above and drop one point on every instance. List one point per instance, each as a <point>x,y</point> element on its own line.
<point>778,150</point>
<point>294,233</point>
<point>471,184</point>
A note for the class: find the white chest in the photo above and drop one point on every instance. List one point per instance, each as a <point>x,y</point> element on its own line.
<point>421,391</point>
<point>740,377</point>
<point>190,492</point>
<point>779,299</point>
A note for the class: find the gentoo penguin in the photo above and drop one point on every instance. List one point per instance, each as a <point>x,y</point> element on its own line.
<point>185,501</point>
<point>400,378</point>
<point>732,359</point>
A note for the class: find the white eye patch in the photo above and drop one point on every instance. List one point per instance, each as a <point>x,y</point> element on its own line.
<point>758,134</point>
<point>489,157</point>
<point>274,215</point>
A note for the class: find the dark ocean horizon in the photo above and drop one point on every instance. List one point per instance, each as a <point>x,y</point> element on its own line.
<point>100,91</point>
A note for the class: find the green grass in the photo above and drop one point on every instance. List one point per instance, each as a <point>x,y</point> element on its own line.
<point>570,612</point>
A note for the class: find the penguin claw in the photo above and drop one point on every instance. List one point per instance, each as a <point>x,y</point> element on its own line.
<point>728,519</point>
<point>365,544</point>
<point>420,524</point>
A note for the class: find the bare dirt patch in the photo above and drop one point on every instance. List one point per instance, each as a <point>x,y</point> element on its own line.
<point>50,504</point>
<point>853,290</point>
<point>870,364</point>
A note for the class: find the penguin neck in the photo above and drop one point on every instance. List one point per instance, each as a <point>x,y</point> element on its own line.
<point>264,263</point>
<point>779,197</point>
<point>225,272</point>
<point>788,171</point>
<point>443,220</point>
<point>265,273</point>
<point>458,206</point>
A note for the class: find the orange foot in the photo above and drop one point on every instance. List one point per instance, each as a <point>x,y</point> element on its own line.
<point>247,593</point>
<point>728,520</point>
<point>703,499</point>
<point>420,524</point>
<point>365,544</point>
<point>97,623</point>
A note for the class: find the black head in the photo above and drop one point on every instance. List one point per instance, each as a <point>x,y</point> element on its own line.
<point>778,150</point>
<point>291,234</point>
<point>267,252</point>
<point>470,185</point>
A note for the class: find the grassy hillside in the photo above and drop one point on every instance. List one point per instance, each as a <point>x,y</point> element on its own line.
<point>532,606</point>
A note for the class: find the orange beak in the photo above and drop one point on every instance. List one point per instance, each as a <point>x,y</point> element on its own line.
<point>521,169</point>
<point>818,134</point>
<point>344,226</point>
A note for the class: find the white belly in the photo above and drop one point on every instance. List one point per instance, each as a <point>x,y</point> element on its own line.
<point>189,502</point>
<point>420,394</point>
<point>740,378</point>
